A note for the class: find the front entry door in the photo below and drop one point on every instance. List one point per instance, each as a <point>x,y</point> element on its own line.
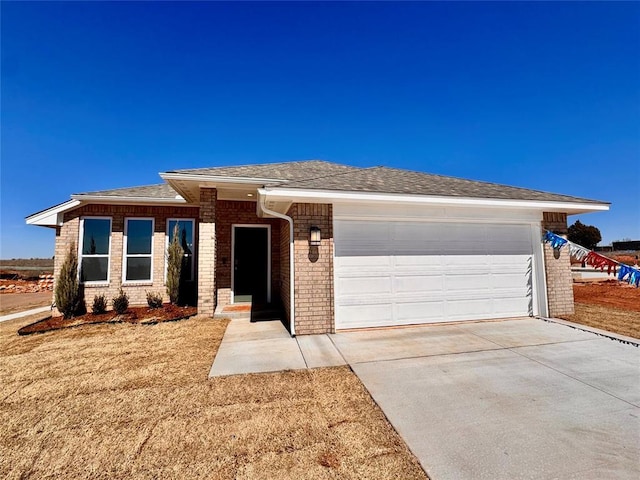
<point>251,265</point>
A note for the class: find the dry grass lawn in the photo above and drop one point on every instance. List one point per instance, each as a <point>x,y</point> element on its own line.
<point>134,401</point>
<point>616,320</point>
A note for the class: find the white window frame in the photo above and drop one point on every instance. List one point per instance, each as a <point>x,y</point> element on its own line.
<point>193,253</point>
<point>102,255</point>
<point>125,256</point>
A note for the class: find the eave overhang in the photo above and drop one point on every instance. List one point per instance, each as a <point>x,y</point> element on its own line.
<point>283,195</point>
<point>188,184</point>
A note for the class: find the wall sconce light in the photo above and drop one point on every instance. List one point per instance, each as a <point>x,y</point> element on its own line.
<point>314,236</point>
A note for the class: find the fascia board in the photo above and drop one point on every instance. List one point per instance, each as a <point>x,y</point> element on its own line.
<point>51,217</point>
<point>219,179</point>
<point>328,196</point>
<point>129,200</point>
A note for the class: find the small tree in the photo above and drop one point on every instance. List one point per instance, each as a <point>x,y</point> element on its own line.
<point>68,295</point>
<point>586,235</point>
<point>175,254</point>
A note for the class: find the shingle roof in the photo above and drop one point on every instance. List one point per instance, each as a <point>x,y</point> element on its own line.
<point>161,190</point>
<point>321,175</point>
<point>393,180</point>
<point>300,170</point>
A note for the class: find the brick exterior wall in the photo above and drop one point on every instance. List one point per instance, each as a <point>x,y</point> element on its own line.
<point>558,270</point>
<point>229,213</point>
<point>313,269</point>
<point>69,233</point>
<point>285,270</point>
<point>207,252</point>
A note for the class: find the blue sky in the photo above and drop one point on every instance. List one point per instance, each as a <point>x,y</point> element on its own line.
<point>105,95</point>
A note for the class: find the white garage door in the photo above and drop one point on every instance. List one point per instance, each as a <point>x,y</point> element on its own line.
<point>402,273</point>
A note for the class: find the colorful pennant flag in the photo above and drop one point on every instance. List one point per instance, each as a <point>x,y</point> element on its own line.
<point>626,273</point>
<point>554,240</point>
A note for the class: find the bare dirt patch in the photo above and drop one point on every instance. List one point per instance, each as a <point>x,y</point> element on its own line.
<point>611,305</point>
<point>135,315</point>
<point>132,401</point>
<point>611,293</point>
<point>622,322</point>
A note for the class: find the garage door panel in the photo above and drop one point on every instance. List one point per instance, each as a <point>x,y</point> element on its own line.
<point>349,240</point>
<point>430,272</point>
<point>467,283</point>
<point>354,316</point>
<point>417,261</point>
<point>426,284</point>
<point>365,285</point>
<point>468,309</point>
<point>419,312</point>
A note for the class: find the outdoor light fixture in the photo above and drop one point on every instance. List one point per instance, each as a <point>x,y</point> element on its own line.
<point>314,236</point>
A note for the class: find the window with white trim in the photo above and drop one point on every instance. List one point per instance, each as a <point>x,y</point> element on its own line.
<point>138,250</point>
<point>95,235</point>
<point>185,232</point>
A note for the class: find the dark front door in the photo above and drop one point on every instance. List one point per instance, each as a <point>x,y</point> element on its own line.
<point>250,265</point>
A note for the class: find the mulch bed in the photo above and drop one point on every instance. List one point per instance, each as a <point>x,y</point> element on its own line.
<point>133,315</point>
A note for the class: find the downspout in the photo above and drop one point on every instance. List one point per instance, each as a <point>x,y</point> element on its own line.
<point>292,302</point>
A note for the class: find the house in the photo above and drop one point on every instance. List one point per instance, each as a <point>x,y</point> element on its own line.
<point>338,246</point>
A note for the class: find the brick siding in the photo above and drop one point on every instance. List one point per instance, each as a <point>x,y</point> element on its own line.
<point>313,269</point>
<point>207,252</point>
<point>69,233</point>
<point>285,269</point>
<point>558,270</point>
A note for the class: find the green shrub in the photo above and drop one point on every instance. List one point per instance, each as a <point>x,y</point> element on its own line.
<point>99,304</point>
<point>68,294</point>
<point>154,300</point>
<point>120,302</point>
<point>175,254</point>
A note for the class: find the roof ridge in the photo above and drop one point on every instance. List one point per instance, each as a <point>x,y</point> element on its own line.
<point>355,170</point>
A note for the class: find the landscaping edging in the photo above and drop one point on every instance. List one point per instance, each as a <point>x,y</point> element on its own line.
<point>134,315</point>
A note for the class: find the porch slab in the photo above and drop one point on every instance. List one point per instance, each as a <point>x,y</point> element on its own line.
<point>319,351</point>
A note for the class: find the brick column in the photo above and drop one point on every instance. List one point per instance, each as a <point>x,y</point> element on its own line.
<point>313,269</point>
<point>558,270</point>
<point>207,252</point>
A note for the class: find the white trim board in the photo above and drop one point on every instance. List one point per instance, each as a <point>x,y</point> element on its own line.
<point>327,196</point>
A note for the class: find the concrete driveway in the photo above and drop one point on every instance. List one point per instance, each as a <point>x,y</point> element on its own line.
<point>511,399</point>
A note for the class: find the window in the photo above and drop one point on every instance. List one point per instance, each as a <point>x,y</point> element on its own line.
<point>95,234</point>
<point>138,254</point>
<point>185,232</point>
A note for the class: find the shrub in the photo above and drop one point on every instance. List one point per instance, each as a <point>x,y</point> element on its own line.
<point>175,254</point>
<point>99,304</point>
<point>154,300</point>
<point>68,295</point>
<point>120,302</point>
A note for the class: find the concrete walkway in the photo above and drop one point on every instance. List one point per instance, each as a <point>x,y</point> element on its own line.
<point>25,313</point>
<point>509,399</point>
<point>267,347</point>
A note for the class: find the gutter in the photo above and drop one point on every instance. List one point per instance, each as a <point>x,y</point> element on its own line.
<point>335,196</point>
<point>178,200</point>
<point>292,312</point>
